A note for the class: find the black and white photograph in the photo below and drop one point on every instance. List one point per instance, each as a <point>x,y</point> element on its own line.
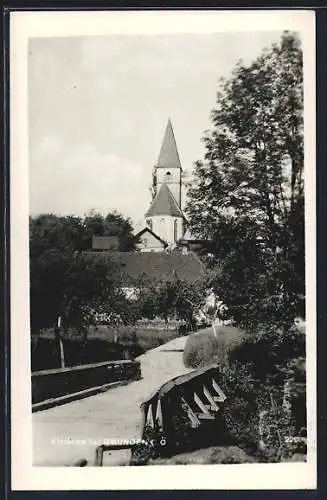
<point>163,249</point>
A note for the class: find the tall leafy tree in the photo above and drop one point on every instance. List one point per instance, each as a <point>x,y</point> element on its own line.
<point>94,224</point>
<point>49,231</point>
<point>117,225</point>
<point>75,287</point>
<point>113,224</point>
<point>247,195</point>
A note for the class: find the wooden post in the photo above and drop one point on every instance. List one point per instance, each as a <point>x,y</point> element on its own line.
<point>60,342</point>
<point>99,456</point>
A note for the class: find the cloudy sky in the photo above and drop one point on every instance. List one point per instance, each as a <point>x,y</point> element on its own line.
<point>98,108</point>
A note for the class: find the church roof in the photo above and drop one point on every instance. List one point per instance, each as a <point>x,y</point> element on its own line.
<point>159,266</point>
<point>168,156</point>
<point>164,204</point>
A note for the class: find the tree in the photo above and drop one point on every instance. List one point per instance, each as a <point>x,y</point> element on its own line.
<point>113,224</point>
<point>94,224</point>
<point>177,298</point>
<point>49,231</point>
<point>75,287</point>
<point>117,225</point>
<point>247,195</point>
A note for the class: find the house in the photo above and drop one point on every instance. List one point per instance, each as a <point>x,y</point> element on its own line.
<point>103,243</point>
<point>158,266</point>
<point>100,243</point>
<point>136,267</point>
<point>149,241</point>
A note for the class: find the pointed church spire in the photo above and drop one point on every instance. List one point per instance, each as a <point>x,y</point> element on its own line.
<point>168,156</point>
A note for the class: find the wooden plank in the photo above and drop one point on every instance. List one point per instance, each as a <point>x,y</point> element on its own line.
<point>149,416</point>
<point>201,405</point>
<point>205,416</point>
<point>221,396</point>
<point>192,416</point>
<point>207,394</point>
<point>159,417</point>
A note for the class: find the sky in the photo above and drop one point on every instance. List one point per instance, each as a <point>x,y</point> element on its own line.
<point>98,108</point>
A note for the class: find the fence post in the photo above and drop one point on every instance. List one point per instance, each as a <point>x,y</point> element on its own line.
<point>60,342</point>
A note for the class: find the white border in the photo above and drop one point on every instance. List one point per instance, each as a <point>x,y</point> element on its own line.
<point>250,476</point>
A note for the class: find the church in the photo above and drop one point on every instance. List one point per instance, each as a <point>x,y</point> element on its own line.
<point>164,246</point>
<point>165,224</point>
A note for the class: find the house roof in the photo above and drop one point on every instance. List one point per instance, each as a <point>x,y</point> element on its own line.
<point>168,156</point>
<point>148,230</point>
<point>164,204</point>
<point>157,265</point>
<point>105,242</point>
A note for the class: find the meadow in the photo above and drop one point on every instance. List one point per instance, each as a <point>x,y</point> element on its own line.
<point>103,343</point>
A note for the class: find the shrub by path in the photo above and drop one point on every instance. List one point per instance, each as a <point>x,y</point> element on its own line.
<point>203,349</point>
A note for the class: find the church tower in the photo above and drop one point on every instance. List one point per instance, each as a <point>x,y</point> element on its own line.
<point>168,169</point>
<point>165,218</point>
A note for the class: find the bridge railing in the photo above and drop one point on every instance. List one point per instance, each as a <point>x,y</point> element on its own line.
<point>59,382</point>
<point>196,396</point>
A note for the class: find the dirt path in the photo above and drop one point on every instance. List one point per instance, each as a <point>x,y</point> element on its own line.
<point>63,434</point>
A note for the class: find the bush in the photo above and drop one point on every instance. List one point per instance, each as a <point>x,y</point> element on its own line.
<point>253,369</point>
<point>269,351</point>
<point>203,348</point>
<point>254,415</point>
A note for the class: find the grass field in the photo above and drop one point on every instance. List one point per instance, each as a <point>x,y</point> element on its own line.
<point>146,339</point>
<point>102,344</point>
<point>203,348</point>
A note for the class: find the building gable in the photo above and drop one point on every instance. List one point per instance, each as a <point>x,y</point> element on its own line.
<point>149,241</point>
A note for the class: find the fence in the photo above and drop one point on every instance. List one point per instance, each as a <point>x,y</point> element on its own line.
<point>48,384</point>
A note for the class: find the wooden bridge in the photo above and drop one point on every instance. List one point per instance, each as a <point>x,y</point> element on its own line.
<point>188,400</point>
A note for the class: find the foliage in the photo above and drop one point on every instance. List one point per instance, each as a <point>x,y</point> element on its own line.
<point>51,232</point>
<point>271,353</point>
<point>113,224</point>
<point>117,225</point>
<point>179,299</point>
<point>254,415</point>
<point>254,367</point>
<point>65,282</point>
<point>174,298</point>
<point>149,448</point>
<point>71,233</point>
<point>247,195</point>
<point>73,286</point>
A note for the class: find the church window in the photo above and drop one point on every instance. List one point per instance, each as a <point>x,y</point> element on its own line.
<point>149,223</point>
<point>168,176</point>
<point>175,230</point>
<point>163,228</point>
